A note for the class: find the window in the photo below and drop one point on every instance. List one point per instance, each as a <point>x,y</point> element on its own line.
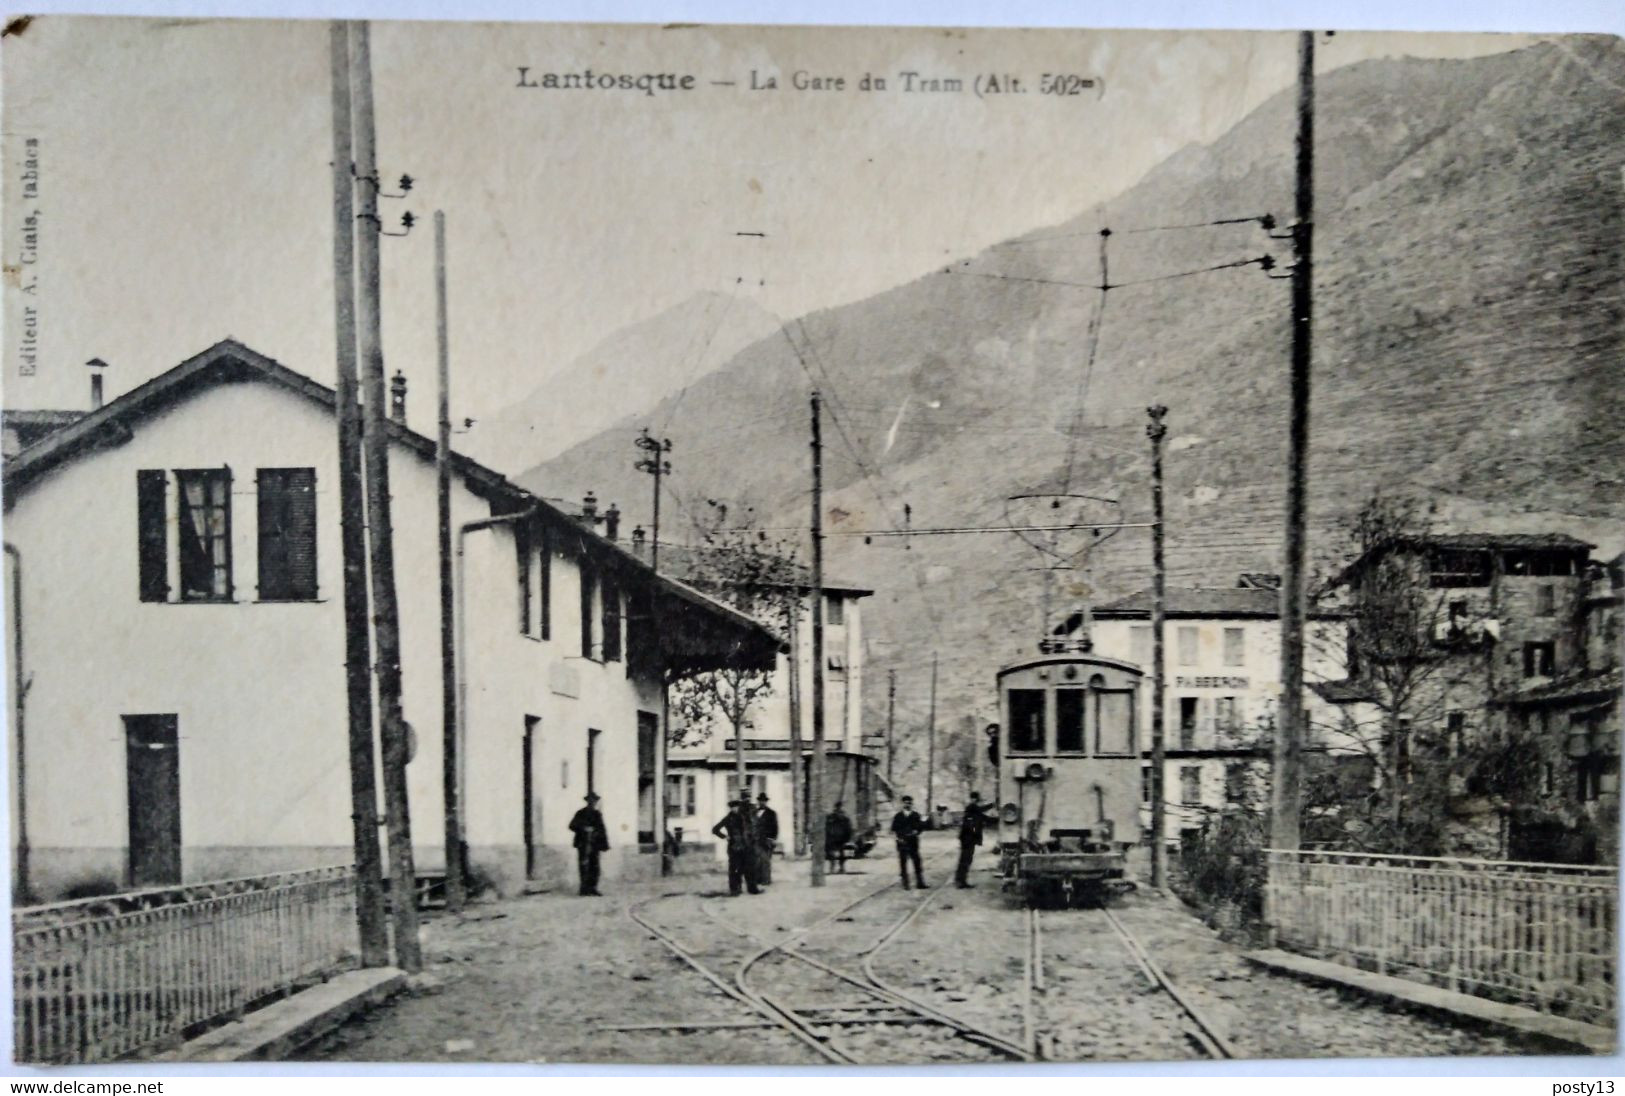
<point>1187,722</point>
<point>1226,714</point>
<point>1139,638</point>
<point>1026,721</point>
<point>1145,785</point>
<point>152,551</point>
<point>1190,785</point>
<point>1455,726</point>
<point>1114,722</point>
<point>1235,782</point>
<point>611,598</point>
<point>755,784</point>
<point>1187,646</point>
<point>205,533</point>
<point>1539,659</point>
<point>586,611</point>
<point>834,611</point>
<point>680,796</point>
<point>1455,569</point>
<point>287,533</point>
<point>1235,647</point>
<point>1545,600</point>
<point>1069,736</point>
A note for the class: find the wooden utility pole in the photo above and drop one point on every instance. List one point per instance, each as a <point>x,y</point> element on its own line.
<point>931,747</point>
<point>369,887</point>
<point>891,724</point>
<point>1285,802</point>
<point>451,748</point>
<point>815,779</point>
<point>381,537</point>
<point>1159,797</point>
<point>657,466</point>
<point>798,805</point>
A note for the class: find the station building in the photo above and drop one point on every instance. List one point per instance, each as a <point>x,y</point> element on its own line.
<point>174,582</point>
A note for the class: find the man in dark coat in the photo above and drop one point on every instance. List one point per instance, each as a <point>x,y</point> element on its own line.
<point>591,839</point>
<point>767,833</point>
<point>970,836</point>
<point>837,835</point>
<point>906,825</point>
<point>736,829</point>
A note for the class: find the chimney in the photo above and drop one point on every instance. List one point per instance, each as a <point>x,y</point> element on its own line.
<point>96,366</point>
<point>397,397</point>
<point>638,538</point>
<point>612,521</point>
<point>589,509</point>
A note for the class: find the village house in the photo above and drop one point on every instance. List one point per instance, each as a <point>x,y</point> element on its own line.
<point>1515,640</point>
<point>1222,661</point>
<point>702,777</point>
<point>175,584</point>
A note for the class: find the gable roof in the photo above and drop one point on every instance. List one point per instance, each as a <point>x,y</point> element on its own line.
<point>230,361</point>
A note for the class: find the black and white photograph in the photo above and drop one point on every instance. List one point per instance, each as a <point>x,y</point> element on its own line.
<point>774,546</point>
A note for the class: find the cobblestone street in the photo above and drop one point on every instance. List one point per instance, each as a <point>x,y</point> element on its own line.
<point>555,978</point>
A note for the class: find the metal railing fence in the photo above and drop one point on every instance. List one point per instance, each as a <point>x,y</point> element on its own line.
<point>1541,935</point>
<point>108,977</point>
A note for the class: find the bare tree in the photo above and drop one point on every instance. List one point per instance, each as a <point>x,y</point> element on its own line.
<point>739,565</point>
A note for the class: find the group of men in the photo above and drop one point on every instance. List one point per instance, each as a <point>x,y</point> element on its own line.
<point>752,834</point>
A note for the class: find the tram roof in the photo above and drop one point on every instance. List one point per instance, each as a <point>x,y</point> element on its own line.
<point>1062,658</point>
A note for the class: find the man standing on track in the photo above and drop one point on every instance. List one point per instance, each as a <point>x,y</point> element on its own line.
<point>906,826</point>
<point>735,828</point>
<point>591,839</point>
<point>767,833</point>
<point>970,836</point>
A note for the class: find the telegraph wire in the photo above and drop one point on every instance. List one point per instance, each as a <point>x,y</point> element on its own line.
<point>1264,220</point>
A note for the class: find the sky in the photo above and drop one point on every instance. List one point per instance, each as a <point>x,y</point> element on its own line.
<point>185,193</point>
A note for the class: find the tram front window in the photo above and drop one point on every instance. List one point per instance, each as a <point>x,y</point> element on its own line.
<point>1027,721</point>
<point>1069,721</point>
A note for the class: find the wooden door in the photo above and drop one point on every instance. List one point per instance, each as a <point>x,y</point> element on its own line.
<point>153,776</point>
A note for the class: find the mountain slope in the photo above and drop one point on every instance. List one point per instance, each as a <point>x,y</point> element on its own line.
<point>1468,343</point>
<point>656,357</point>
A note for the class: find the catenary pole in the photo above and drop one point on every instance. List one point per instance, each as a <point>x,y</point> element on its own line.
<point>369,891</point>
<point>798,807</point>
<point>891,724</point>
<point>1159,797</point>
<point>451,761</point>
<point>815,778</point>
<point>657,466</point>
<point>381,537</point>
<point>931,746</point>
<point>1285,799</point>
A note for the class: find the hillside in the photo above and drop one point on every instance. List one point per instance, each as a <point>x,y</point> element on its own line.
<point>1468,346</point>
<point>656,357</point>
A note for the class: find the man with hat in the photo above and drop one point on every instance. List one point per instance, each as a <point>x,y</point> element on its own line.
<point>906,825</point>
<point>737,830</point>
<point>767,833</point>
<point>970,836</point>
<point>591,839</point>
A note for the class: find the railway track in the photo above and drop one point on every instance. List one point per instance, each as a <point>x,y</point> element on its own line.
<point>818,984</point>
<point>1196,1027</point>
<point>804,983</point>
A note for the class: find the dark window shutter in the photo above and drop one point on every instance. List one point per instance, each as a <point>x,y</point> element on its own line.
<point>153,563</point>
<point>546,608</point>
<point>521,540</point>
<point>586,610</point>
<point>612,620</point>
<point>287,533</point>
